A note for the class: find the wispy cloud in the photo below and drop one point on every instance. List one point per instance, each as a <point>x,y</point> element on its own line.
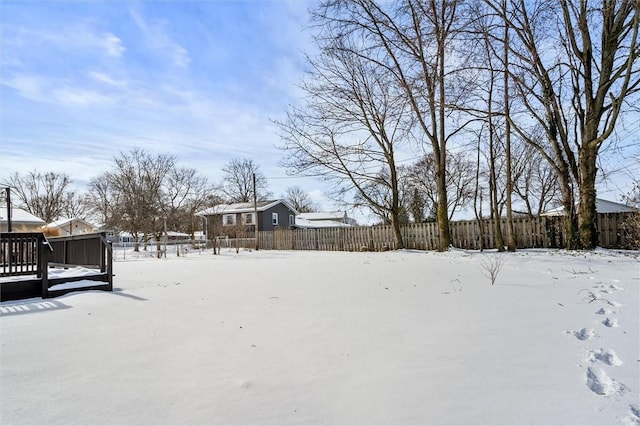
<point>106,79</point>
<point>75,36</point>
<point>28,86</point>
<point>112,44</point>
<point>157,37</point>
<point>73,96</point>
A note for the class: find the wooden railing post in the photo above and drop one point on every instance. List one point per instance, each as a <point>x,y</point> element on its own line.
<point>44,249</point>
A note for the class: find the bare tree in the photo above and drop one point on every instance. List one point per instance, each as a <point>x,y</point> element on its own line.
<point>575,68</point>
<point>299,199</point>
<point>352,123</point>
<point>460,174</point>
<point>378,190</point>
<point>237,183</point>
<point>137,182</point>
<point>76,206</point>
<point>103,201</point>
<point>42,194</point>
<point>184,192</point>
<point>415,41</point>
<point>534,179</point>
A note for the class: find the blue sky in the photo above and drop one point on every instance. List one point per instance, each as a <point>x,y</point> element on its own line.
<point>81,81</point>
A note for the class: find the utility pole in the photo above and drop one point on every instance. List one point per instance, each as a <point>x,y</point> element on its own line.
<point>255,211</point>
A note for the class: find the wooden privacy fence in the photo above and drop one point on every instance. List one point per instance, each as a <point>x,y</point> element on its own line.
<point>542,231</point>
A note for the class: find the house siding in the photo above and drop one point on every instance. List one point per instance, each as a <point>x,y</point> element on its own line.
<point>283,218</point>
<point>263,220</point>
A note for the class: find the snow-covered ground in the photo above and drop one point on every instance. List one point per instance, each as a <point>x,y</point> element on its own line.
<point>333,338</point>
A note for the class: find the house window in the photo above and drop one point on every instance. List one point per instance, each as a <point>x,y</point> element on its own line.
<point>274,218</point>
<point>248,218</point>
<point>292,220</point>
<point>229,219</point>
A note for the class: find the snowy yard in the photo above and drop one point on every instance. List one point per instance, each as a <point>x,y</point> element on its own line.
<point>333,338</point>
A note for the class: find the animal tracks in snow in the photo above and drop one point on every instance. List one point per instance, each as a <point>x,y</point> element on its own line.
<point>597,378</point>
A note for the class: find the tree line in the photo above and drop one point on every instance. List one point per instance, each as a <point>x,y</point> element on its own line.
<point>144,194</point>
<point>507,98</point>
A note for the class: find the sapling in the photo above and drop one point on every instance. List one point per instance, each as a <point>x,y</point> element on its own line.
<point>491,267</point>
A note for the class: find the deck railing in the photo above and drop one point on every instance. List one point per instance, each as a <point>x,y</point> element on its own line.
<point>31,254</point>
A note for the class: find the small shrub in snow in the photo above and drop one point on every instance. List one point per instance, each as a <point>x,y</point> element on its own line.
<point>491,267</point>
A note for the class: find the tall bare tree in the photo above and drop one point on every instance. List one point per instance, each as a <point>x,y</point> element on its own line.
<point>299,199</point>
<point>352,123</point>
<point>137,181</point>
<point>237,183</point>
<point>184,191</point>
<point>76,206</point>
<point>42,194</point>
<point>575,68</point>
<point>103,201</point>
<point>534,180</point>
<point>460,174</point>
<point>412,46</point>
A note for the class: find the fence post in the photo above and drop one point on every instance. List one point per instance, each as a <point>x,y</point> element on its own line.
<point>43,259</point>
<point>109,249</point>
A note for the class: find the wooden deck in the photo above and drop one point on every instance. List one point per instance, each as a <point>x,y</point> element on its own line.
<point>30,256</point>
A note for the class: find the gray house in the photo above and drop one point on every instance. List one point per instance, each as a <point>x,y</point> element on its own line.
<point>238,219</point>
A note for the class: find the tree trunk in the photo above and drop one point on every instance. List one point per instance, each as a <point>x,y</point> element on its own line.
<point>442,215</point>
<point>568,203</point>
<point>587,205</point>
<point>397,232</point>
<point>511,234</point>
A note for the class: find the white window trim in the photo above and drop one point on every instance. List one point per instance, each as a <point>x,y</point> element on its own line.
<point>274,218</point>
<point>292,220</point>
<point>224,220</point>
<point>244,219</point>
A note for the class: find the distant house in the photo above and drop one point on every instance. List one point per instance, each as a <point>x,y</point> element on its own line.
<point>72,227</point>
<point>602,206</point>
<point>21,221</point>
<point>123,239</point>
<point>324,220</point>
<point>239,218</point>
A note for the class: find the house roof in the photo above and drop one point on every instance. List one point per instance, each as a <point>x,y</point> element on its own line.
<point>337,215</point>
<point>602,206</point>
<point>66,221</point>
<point>306,223</point>
<point>243,208</point>
<point>176,234</point>
<point>19,216</point>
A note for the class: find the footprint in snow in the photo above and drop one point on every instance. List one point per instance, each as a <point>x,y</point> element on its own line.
<point>600,383</point>
<point>609,357</point>
<point>615,287</point>
<point>603,311</point>
<point>610,322</point>
<point>584,334</point>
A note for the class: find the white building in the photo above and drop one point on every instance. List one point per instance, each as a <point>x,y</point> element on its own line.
<point>72,226</point>
<point>602,206</point>
<point>21,221</point>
